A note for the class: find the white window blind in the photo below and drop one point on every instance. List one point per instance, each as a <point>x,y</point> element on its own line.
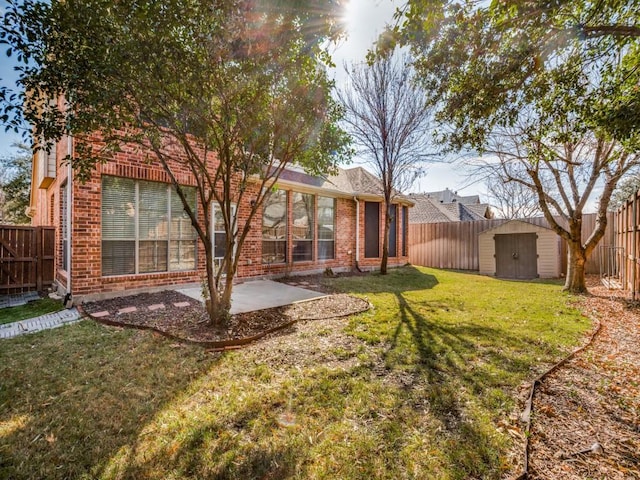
<point>138,219</point>
<point>118,226</point>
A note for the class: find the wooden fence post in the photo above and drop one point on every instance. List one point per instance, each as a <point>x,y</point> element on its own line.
<point>39,254</point>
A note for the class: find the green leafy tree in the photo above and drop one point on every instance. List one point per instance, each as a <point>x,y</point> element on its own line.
<point>15,186</point>
<point>552,85</point>
<point>231,91</point>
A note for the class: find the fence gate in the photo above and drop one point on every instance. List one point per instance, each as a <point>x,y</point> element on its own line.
<point>26,258</point>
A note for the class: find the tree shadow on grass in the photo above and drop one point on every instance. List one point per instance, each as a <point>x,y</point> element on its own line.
<point>397,280</point>
<point>79,394</point>
<point>455,371</point>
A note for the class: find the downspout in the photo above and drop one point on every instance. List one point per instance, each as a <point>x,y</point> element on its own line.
<point>68,301</point>
<point>355,199</point>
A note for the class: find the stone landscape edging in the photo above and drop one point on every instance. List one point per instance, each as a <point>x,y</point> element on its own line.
<point>221,345</point>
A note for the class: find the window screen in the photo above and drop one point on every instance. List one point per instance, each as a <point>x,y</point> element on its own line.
<point>326,228</point>
<point>302,229</point>
<point>145,228</point>
<point>274,227</point>
<point>118,226</point>
<point>183,237</point>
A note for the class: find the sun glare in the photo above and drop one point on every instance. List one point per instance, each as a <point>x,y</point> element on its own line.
<point>349,15</point>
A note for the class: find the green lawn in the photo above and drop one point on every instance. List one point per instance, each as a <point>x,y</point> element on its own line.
<point>415,388</point>
<point>30,310</point>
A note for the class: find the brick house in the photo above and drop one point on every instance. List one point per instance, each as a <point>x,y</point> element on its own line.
<point>125,229</point>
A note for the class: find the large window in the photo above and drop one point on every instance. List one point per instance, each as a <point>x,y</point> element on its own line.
<point>145,228</point>
<point>302,230</point>
<point>274,227</point>
<point>326,228</point>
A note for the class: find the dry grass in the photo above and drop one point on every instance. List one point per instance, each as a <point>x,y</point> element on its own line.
<point>416,388</point>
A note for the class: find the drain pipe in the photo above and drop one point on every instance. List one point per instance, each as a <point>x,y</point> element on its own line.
<point>68,300</point>
<point>355,199</point>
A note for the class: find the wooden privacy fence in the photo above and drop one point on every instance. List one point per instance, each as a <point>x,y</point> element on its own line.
<point>628,244</point>
<point>26,258</point>
<point>454,245</point>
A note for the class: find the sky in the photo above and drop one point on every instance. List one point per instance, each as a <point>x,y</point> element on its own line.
<point>365,20</point>
<point>7,78</point>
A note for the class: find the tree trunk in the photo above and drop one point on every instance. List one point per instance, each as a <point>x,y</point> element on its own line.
<point>385,241</point>
<point>575,282</point>
<point>216,307</point>
<point>226,295</point>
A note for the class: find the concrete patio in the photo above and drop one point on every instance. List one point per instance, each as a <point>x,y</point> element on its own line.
<point>259,294</point>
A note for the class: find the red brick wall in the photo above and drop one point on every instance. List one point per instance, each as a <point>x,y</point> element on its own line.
<point>48,207</point>
<point>374,263</point>
<point>86,231</point>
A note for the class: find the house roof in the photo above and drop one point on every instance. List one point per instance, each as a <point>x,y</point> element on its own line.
<point>428,209</point>
<point>355,180</point>
<point>352,182</point>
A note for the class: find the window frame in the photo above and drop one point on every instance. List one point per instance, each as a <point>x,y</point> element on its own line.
<point>137,239</point>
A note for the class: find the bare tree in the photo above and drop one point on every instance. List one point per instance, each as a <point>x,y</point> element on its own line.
<point>510,199</point>
<point>627,187</point>
<point>564,170</point>
<point>388,119</point>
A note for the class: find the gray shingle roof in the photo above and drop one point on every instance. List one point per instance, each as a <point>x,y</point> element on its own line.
<point>428,209</point>
<point>448,196</point>
<point>354,180</point>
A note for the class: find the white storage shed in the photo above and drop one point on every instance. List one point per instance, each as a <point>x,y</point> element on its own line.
<point>520,250</point>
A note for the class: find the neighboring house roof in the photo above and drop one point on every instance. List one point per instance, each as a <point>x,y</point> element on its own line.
<point>482,209</point>
<point>448,196</point>
<point>429,209</point>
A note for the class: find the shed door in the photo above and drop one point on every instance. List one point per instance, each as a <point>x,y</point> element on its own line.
<point>516,255</point>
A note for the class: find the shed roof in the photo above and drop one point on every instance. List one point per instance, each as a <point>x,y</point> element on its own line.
<point>506,225</point>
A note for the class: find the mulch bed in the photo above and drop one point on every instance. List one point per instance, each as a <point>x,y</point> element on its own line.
<point>186,319</point>
<point>593,400</point>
